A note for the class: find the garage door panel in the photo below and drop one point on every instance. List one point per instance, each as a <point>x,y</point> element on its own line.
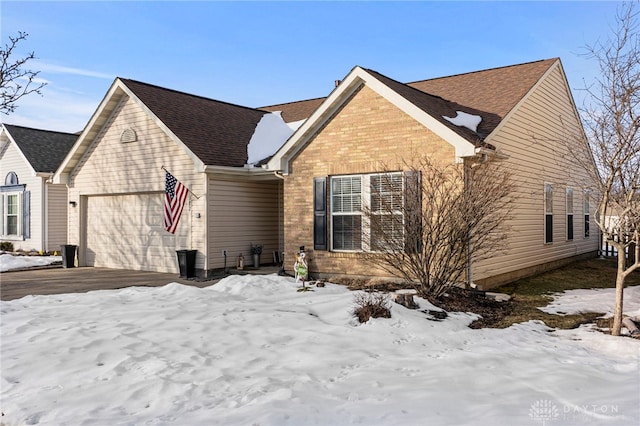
<point>127,231</point>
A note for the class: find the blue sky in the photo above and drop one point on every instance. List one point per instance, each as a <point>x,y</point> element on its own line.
<point>264,53</point>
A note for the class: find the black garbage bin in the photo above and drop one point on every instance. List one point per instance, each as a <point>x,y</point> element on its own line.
<point>68,255</point>
<point>187,263</point>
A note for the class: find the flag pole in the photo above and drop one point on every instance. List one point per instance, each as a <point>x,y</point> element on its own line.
<point>190,191</point>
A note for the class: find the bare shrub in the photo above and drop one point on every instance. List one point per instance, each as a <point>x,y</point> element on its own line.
<point>371,305</point>
<point>428,227</point>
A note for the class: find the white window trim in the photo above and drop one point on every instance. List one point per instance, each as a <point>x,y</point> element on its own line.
<point>550,213</point>
<point>365,199</point>
<point>586,215</point>
<point>334,213</point>
<point>4,211</point>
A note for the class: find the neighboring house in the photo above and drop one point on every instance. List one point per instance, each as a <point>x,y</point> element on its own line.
<point>116,179</point>
<point>370,120</point>
<point>33,210</point>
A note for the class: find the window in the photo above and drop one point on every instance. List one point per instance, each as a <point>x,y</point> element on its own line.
<point>11,179</point>
<point>11,214</point>
<point>585,207</point>
<point>548,213</point>
<point>569,213</point>
<point>14,209</point>
<point>346,213</point>
<point>351,196</point>
<point>386,211</point>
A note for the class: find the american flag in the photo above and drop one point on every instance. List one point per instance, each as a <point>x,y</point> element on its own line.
<point>175,195</point>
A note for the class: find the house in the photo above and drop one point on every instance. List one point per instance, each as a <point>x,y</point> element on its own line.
<point>33,210</point>
<point>115,174</point>
<point>369,120</point>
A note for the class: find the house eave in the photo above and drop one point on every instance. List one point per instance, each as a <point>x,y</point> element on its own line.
<point>357,78</point>
<point>118,93</point>
<point>248,172</point>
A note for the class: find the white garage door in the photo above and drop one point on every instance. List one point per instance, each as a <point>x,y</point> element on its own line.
<point>127,232</point>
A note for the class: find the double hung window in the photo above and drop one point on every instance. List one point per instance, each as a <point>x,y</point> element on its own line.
<point>11,213</point>
<point>585,208</point>
<point>548,213</point>
<point>346,212</point>
<point>367,212</point>
<point>569,213</point>
<point>14,209</point>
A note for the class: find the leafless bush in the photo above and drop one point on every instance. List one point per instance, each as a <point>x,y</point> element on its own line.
<point>371,305</point>
<point>428,226</point>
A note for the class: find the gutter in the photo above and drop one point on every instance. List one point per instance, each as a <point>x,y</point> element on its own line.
<point>247,170</point>
<point>484,153</point>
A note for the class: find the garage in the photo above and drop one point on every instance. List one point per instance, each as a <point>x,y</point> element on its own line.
<point>127,232</point>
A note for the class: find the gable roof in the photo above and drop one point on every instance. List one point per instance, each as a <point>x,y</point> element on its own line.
<point>418,105</point>
<point>494,91</point>
<point>216,132</point>
<point>438,108</point>
<point>491,94</point>
<point>43,149</point>
<point>211,132</point>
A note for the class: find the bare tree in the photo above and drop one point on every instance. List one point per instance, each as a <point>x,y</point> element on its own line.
<point>427,224</point>
<point>612,125</point>
<point>15,80</point>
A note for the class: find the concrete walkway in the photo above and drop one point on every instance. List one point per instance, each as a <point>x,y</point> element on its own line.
<point>17,284</point>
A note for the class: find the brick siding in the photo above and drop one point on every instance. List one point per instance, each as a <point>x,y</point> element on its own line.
<point>369,134</point>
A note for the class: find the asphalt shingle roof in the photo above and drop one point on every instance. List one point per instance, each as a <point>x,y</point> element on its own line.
<point>490,93</point>
<point>217,132</point>
<point>296,111</point>
<point>439,108</point>
<point>496,90</point>
<point>44,149</point>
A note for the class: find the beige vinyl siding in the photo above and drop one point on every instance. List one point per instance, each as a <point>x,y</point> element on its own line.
<point>531,138</point>
<point>11,160</point>
<point>112,167</point>
<point>243,212</point>
<point>57,204</point>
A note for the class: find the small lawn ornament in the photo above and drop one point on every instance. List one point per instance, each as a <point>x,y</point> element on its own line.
<point>300,267</point>
<point>240,262</point>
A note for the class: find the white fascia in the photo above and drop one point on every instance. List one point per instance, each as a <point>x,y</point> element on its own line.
<point>356,78</point>
<point>246,171</point>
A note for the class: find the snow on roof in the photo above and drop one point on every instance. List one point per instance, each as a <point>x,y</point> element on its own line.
<point>294,125</point>
<point>270,134</point>
<point>464,119</point>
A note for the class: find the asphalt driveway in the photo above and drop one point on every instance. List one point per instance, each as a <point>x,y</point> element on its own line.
<point>17,284</point>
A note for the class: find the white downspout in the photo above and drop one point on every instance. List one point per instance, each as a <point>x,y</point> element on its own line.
<point>467,182</point>
<point>44,215</point>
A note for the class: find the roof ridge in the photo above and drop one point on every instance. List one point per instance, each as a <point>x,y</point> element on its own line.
<point>409,83</point>
<point>483,70</point>
<point>293,102</point>
<point>41,130</point>
<point>409,86</point>
<point>180,92</point>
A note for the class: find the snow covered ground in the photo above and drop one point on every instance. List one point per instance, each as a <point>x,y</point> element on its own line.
<point>251,350</point>
<point>9,262</point>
